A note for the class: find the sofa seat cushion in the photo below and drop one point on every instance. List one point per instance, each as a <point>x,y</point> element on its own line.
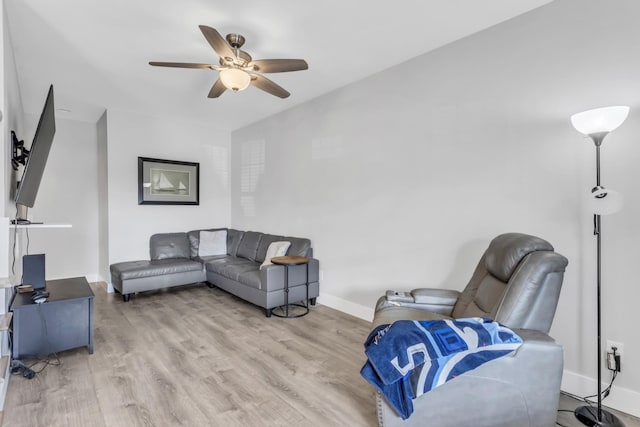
<point>250,278</point>
<point>139,269</point>
<point>206,259</point>
<point>216,264</point>
<point>231,267</point>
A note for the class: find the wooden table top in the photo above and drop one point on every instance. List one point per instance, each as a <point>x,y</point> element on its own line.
<point>289,260</point>
<point>59,290</point>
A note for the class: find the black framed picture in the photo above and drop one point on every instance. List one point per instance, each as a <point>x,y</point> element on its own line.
<point>168,182</point>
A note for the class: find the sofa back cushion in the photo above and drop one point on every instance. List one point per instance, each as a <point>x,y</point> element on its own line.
<point>265,241</point>
<point>169,245</point>
<point>517,283</point>
<point>233,241</point>
<point>248,247</point>
<point>299,246</point>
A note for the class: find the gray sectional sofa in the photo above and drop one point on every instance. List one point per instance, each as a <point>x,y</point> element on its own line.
<point>176,259</point>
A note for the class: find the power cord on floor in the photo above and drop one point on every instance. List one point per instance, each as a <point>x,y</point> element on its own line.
<point>29,371</point>
<point>586,399</point>
<point>51,360</point>
<point>19,368</point>
<point>607,390</point>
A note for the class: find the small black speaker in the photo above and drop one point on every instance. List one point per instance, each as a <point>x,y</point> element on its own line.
<point>33,271</point>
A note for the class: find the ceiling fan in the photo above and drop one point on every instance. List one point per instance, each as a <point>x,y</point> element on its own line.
<point>237,69</point>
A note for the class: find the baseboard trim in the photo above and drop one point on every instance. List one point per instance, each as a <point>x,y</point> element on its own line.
<point>620,398</point>
<point>340,304</point>
<point>92,278</point>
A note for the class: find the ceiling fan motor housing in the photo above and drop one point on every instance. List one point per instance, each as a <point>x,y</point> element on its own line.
<point>235,40</point>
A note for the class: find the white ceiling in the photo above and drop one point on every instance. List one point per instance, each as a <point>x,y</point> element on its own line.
<point>96,52</point>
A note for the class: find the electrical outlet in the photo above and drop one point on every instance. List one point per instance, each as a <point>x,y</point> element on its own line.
<point>321,275</point>
<point>619,347</point>
<point>614,363</point>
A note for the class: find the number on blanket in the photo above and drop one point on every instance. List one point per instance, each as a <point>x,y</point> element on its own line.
<point>414,349</point>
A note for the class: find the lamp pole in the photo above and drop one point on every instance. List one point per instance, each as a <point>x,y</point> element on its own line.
<point>585,413</point>
<point>598,232</point>
<point>597,223</point>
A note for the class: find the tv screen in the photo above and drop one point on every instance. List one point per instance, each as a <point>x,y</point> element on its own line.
<point>39,152</point>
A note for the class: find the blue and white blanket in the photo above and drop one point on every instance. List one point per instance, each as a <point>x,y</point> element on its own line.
<point>408,358</point>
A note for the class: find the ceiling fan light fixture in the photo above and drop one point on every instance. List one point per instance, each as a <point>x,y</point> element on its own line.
<point>235,79</point>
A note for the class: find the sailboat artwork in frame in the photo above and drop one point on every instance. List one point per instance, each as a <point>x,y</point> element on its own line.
<point>168,182</point>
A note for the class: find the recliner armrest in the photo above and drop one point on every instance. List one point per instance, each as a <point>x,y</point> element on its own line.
<point>447,297</point>
<point>440,301</point>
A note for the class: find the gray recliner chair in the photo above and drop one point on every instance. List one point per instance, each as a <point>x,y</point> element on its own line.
<point>517,283</point>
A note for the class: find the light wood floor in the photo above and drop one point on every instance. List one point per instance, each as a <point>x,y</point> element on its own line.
<point>196,356</point>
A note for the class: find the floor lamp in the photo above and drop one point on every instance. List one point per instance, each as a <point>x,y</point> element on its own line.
<point>597,124</point>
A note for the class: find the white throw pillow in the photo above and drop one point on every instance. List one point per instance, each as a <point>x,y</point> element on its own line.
<point>275,249</point>
<point>212,243</point>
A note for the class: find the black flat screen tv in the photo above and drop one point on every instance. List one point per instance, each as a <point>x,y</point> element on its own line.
<point>38,154</point>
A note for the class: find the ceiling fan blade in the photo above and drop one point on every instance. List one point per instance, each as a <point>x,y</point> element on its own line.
<point>279,65</point>
<point>217,89</point>
<point>217,42</point>
<point>261,82</point>
<point>179,64</point>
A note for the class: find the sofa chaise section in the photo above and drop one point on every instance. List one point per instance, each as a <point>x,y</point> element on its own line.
<point>170,265</point>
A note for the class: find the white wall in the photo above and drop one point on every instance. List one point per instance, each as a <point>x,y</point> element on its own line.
<point>12,117</point>
<point>401,180</point>
<point>11,108</point>
<point>131,136</point>
<point>103,198</point>
<point>63,197</point>
<point>90,182</point>
<point>68,194</point>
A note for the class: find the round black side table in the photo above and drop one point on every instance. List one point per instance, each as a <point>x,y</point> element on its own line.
<point>287,262</point>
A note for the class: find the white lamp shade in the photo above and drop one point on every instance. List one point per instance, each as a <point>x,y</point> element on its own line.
<point>603,119</point>
<point>235,79</point>
<point>603,201</point>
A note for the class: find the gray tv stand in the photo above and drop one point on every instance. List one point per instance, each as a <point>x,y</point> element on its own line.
<point>64,322</point>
